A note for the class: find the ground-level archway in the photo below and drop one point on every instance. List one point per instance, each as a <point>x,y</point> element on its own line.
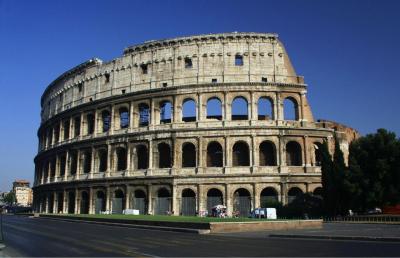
<point>84,208</point>
<point>100,202</point>
<point>162,205</point>
<point>118,202</point>
<point>214,197</point>
<point>139,201</point>
<point>188,205</point>
<point>242,202</point>
<point>268,196</point>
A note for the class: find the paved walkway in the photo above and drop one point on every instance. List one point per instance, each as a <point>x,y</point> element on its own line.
<point>334,230</point>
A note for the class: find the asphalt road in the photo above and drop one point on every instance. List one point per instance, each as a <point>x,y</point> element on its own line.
<point>43,237</point>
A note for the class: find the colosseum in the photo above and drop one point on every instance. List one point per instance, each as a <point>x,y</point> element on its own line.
<point>177,126</point>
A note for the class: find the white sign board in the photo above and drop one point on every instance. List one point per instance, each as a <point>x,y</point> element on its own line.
<point>131,212</point>
<point>271,213</point>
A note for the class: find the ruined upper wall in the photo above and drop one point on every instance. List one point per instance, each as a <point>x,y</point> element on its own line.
<point>158,64</point>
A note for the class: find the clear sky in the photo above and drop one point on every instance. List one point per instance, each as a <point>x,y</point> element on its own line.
<point>347,50</point>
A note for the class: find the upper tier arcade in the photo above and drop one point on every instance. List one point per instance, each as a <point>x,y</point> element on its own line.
<point>180,62</point>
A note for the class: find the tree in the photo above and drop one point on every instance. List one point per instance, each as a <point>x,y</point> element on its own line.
<point>327,180</point>
<point>10,198</point>
<point>374,164</point>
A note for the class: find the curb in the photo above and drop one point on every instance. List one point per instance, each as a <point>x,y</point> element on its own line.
<point>173,229</point>
<point>355,238</point>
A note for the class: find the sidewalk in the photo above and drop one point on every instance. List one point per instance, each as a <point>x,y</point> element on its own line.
<point>335,231</point>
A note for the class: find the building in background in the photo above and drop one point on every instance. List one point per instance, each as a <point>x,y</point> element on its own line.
<point>23,193</point>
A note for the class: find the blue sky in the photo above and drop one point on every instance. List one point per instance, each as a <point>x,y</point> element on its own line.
<point>348,52</point>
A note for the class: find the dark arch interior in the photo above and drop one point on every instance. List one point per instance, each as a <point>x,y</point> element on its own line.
<point>188,155</point>
<point>240,154</point>
<point>163,192</point>
<point>140,194</point>
<point>213,192</point>
<point>267,154</point>
<point>293,154</point>
<point>164,155</point>
<point>188,193</point>
<point>214,155</point>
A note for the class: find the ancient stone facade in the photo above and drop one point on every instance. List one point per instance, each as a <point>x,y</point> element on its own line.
<point>160,130</point>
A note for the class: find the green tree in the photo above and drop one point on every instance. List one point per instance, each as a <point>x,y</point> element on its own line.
<point>10,198</point>
<point>374,165</point>
<point>328,186</point>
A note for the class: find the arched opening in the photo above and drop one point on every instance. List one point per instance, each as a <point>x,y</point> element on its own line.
<point>318,192</point>
<point>164,155</point>
<point>290,108</point>
<point>106,119</point>
<point>90,123</point>
<point>142,157</point>
<point>77,127</point>
<point>293,193</point>
<point>214,109</point>
<point>60,202</point>
<point>317,153</point>
<point>239,109</point>
<point>50,203</point>
<point>188,155</point>
<point>144,114</point>
<point>74,162</point>
<point>267,154</point>
<point>242,202</point>
<point>189,110</point>
<point>139,201</point>
<point>71,202</point>
<point>87,162</point>
<point>84,203</point>
<point>162,202</point>
<point>214,155</point>
<point>123,117</point>
<point>118,202</point>
<point>268,196</point>
<point>102,156</point>
<point>100,203</point>
<point>265,109</point>
<point>214,197</point>
<point>293,154</point>
<point>121,159</point>
<point>165,112</point>
<point>188,205</point>
<point>240,154</point>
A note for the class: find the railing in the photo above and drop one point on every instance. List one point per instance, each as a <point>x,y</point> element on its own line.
<point>365,219</point>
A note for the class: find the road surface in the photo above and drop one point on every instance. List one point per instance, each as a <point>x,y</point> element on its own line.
<point>44,237</point>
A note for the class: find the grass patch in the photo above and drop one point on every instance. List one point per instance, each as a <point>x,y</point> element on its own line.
<point>190,219</point>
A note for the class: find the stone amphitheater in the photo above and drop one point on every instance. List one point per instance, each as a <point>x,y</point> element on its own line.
<point>178,126</point>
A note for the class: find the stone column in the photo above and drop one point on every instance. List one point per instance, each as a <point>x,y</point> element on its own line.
<point>152,121</point>
<point>306,157</point>
<point>226,111</point>
<point>91,206</point>
<point>108,198</point>
<point>301,111</point>
<point>55,203</point>
<point>128,158</point>
<point>200,108</point>
<point>65,201</point>
<point>109,160</point>
<point>175,201</point>
<point>253,155</point>
<point>92,156</point>
<point>256,196</point>
<point>227,152</point>
<point>228,200</point>
<point>127,197</point>
<point>200,156</point>
<point>254,108</point>
<point>176,116</point>
<point>78,164</point>
<point>95,123</point>
<point>77,201</point>
<point>150,199</point>
<point>150,150</point>
<point>201,198</point>
<point>67,172</point>
<point>278,107</point>
<point>131,106</point>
